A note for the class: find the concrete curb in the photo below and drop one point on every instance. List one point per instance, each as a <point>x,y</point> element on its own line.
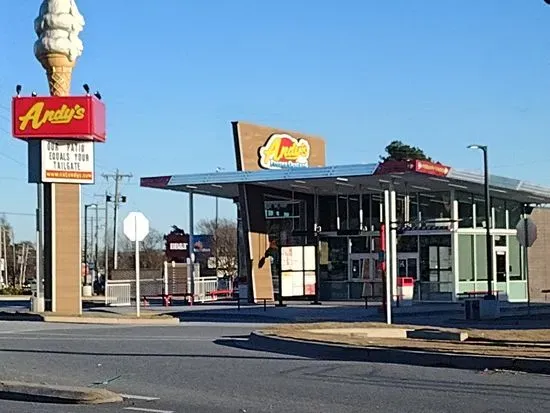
<point>112,320</point>
<point>329,351</point>
<point>17,316</point>
<point>10,298</point>
<point>43,393</point>
<point>228,317</point>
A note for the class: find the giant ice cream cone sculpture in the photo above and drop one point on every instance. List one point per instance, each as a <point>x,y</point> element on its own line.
<point>58,25</point>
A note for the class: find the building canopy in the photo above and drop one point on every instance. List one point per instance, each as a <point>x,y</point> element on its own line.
<point>405,176</point>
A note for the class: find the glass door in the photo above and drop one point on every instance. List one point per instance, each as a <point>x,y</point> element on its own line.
<point>407,265</point>
<point>501,272</point>
<point>363,276</point>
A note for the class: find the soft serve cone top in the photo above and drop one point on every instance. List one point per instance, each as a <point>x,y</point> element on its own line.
<point>58,25</point>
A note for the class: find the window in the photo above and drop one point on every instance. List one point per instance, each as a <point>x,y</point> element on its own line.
<point>435,256</point>
<point>480,211</point>
<point>500,266</point>
<point>343,211</point>
<point>413,208</point>
<point>466,257</point>
<point>499,206</point>
<point>515,210</point>
<point>400,208</point>
<point>375,244</point>
<point>465,210</point>
<point>360,244</point>
<point>481,258</point>
<point>514,260</point>
<point>337,266</point>
<point>407,243</point>
<point>353,210</point>
<point>435,206</point>
<point>327,213</point>
<point>367,211</point>
<point>500,240</point>
<point>376,217</point>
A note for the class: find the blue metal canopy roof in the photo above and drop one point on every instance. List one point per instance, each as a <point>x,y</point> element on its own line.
<point>342,179</point>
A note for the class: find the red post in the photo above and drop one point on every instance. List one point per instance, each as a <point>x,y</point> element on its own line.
<point>382,264</point>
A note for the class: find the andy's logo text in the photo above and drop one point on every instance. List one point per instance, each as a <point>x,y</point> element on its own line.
<point>37,116</point>
<point>284,151</point>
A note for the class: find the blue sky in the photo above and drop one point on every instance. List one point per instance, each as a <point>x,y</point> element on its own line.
<point>436,74</point>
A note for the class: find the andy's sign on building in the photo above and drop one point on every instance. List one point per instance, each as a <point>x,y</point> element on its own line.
<point>282,151</point>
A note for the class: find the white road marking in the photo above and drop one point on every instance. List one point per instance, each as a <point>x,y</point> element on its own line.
<point>84,338</point>
<point>135,397</point>
<point>141,409</point>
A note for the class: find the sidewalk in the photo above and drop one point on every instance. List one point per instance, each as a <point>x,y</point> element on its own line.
<point>304,312</point>
<point>441,314</point>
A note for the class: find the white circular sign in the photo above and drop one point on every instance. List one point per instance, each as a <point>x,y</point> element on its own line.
<point>526,240</point>
<point>136,226</point>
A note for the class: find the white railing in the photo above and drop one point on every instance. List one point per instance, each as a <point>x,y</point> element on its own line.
<point>118,294</point>
<point>203,286</point>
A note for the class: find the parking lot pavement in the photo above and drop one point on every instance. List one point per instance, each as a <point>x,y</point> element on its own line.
<point>208,367</point>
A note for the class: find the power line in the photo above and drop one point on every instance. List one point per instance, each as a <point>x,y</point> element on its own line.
<point>17,213</point>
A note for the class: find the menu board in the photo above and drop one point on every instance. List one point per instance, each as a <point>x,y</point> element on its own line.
<point>292,258</point>
<point>310,261</point>
<point>298,266</point>
<point>309,281</point>
<point>287,289</point>
<point>297,284</point>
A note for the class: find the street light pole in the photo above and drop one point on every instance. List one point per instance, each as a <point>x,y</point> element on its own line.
<point>86,241</point>
<point>489,241</point>
<point>96,236</point>
<point>85,244</point>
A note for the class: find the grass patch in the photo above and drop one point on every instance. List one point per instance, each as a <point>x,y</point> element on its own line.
<point>532,343</point>
<point>108,314</point>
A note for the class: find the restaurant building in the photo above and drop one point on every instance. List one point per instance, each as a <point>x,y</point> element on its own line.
<point>433,216</point>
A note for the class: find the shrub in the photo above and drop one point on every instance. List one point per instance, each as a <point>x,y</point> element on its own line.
<point>14,291</point>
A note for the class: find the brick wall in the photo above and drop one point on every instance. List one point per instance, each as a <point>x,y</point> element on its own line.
<point>539,257</point>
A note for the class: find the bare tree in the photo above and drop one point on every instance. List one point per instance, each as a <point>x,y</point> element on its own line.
<point>151,253</point>
<point>224,248</point>
<point>20,258</point>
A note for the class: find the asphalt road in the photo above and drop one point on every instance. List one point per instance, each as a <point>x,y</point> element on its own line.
<point>208,368</point>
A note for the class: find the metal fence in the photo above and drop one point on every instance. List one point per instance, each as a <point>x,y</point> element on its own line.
<point>172,280</point>
<point>118,294</point>
<point>204,286</point>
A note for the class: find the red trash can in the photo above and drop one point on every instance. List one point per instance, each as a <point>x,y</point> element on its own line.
<point>405,290</point>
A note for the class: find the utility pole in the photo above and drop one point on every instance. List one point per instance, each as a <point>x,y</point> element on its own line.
<point>106,235</point>
<point>2,260</point>
<point>106,198</point>
<point>24,275</point>
<point>5,254</point>
<point>14,257</point>
<point>91,253</point>
<point>117,176</point>
<point>96,236</point>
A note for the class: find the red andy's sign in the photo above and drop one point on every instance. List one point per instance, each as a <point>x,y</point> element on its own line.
<point>58,117</point>
<point>430,168</point>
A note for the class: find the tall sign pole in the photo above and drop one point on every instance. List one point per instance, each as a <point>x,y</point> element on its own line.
<point>136,228</point>
<point>138,292</point>
<point>62,201</point>
<point>386,248</point>
<point>60,130</point>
